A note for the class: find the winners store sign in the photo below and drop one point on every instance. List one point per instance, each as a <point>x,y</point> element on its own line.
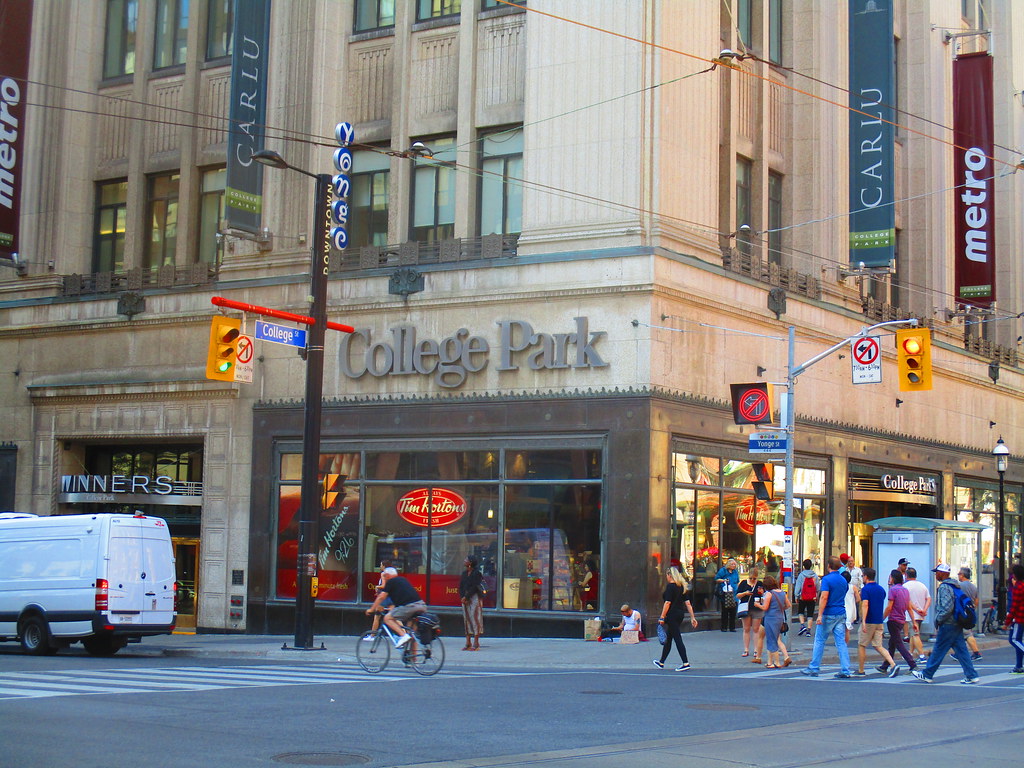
<point>450,360</point>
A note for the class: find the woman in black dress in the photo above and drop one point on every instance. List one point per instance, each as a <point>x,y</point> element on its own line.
<point>677,605</point>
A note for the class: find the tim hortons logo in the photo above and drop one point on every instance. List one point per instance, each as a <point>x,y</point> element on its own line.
<point>427,507</point>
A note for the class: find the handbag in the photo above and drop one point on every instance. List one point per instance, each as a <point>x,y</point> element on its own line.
<point>785,628</point>
<point>662,634</point>
<point>742,610</point>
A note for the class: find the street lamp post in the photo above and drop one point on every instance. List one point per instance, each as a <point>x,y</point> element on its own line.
<point>1002,454</point>
<point>309,506</point>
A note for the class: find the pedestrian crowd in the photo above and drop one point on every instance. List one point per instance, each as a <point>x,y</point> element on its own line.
<point>847,597</point>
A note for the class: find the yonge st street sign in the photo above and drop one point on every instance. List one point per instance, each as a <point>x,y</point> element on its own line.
<point>402,352</point>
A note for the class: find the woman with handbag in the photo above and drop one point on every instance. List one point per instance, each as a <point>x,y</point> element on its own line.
<point>673,611</point>
<point>775,604</point>
<point>727,579</point>
<point>471,592</point>
<point>748,590</point>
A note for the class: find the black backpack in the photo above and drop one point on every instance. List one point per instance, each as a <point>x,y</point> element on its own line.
<point>428,627</point>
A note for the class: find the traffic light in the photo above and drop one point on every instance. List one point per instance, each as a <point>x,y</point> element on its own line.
<point>764,482</point>
<point>223,350</point>
<point>914,359</point>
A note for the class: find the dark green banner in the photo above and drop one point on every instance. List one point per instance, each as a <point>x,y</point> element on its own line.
<point>243,197</point>
<point>872,165</point>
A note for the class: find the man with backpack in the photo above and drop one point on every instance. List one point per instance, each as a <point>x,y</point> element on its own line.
<point>807,594</point>
<point>953,613</point>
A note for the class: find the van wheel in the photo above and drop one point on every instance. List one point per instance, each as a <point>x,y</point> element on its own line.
<point>102,646</point>
<point>35,637</point>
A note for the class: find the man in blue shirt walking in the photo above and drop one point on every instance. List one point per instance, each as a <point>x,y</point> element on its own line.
<point>872,627</point>
<point>831,621</point>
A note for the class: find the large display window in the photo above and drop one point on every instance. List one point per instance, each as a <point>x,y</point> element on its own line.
<point>717,517</point>
<point>531,517</point>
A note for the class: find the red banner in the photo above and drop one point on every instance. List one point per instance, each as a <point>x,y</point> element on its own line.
<point>15,34</point>
<point>974,175</point>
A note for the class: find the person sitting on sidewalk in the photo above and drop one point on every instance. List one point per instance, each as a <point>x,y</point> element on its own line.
<point>630,621</point>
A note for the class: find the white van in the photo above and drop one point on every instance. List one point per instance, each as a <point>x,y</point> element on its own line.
<point>104,580</point>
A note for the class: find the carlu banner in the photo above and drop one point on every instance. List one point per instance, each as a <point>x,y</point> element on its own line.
<point>872,95</point>
<point>247,114</point>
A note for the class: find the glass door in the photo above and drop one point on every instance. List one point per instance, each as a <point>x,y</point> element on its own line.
<point>186,562</point>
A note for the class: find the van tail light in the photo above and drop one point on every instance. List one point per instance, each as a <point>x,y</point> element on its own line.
<point>102,595</point>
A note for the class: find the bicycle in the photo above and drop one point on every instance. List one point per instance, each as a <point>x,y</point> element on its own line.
<point>990,621</point>
<point>424,653</point>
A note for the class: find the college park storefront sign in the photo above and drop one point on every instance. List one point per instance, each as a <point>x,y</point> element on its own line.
<point>403,352</point>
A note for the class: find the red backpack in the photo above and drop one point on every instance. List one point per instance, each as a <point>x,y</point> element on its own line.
<point>809,590</point>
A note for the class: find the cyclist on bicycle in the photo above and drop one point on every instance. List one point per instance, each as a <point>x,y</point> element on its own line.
<point>407,603</point>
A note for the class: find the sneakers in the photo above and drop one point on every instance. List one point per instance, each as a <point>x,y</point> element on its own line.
<point>922,659</point>
<point>883,668</point>
<point>844,675</point>
<point>894,671</point>
<point>658,664</point>
<point>858,674</point>
<point>1017,671</point>
<point>920,676</point>
<point>403,639</point>
<point>975,656</point>
<point>804,631</point>
<point>969,681</point>
<point>683,667</point>
<point>808,672</point>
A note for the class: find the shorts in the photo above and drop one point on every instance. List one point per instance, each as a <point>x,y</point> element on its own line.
<point>870,634</point>
<point>806,607</point>
<point>407,611</point>
<point>913,627</point>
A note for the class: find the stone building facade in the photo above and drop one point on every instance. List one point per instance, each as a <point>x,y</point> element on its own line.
<point>549,311</point>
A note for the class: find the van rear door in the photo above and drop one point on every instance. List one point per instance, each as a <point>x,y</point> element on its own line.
<point>140,573</point>
<point>158,560</point>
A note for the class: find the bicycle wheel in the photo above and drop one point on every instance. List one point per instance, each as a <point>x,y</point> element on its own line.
<point>427,658</point>
<point>373,651</point>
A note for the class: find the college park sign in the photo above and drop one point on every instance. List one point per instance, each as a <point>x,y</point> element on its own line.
<point>402,352</point>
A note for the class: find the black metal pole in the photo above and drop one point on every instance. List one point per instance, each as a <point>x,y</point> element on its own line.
<point>310,505</point>
<point>1001,592</point>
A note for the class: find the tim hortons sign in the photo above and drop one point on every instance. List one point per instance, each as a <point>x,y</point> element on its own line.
<point>402,352</point>
<point>427,507</point>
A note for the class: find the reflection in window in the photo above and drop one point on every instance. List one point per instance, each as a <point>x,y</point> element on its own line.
<point>433,197</point>
<point>219,25</point>
<point>119,43</point>
<point>744,202</point>
<point>161,221</point>
<point>501,191</point>
<point>374,14</point>
<point>109,226</point>
<point>171,33</point>
<point>552,465</point>
<point>774,218</point>
<point>368,219</point>
<point>211,213</point>
<point>432,9</point>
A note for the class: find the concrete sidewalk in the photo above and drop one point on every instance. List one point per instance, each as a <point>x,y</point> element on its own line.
<point>711,649</point>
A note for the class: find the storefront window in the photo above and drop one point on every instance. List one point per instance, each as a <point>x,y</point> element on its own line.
<point>427,532</point>
<point>338,527</point>
<point>710,526</point>
<point>532,518</point>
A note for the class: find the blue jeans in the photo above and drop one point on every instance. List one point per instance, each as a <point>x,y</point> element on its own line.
<point>950,636</point>
<point>835,626</point>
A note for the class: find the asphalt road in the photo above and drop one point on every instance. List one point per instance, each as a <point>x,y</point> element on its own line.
<point>86,712</point>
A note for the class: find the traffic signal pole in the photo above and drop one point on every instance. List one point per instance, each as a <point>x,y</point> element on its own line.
<point>789,422</point>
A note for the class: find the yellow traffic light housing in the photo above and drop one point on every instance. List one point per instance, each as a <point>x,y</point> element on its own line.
<point>222,354</point>
<point>914,359</point>
<point>764,482</point>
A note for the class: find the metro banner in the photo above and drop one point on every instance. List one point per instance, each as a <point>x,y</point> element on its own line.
<point>872,156</point>
<point>974,176</point>
<point>15,34</point>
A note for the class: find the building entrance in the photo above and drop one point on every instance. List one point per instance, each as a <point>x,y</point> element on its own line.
<point>186,561</point>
